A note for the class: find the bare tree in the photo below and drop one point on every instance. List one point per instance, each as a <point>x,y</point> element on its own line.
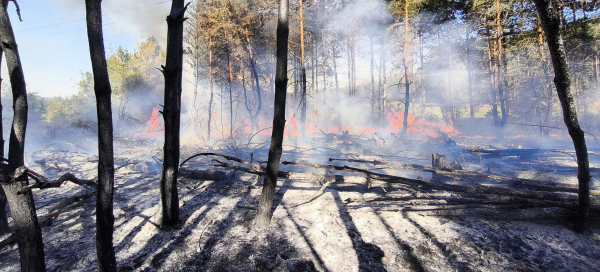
<point>106,170</point>
<point>172,71</point>
<point>263,216</point>
<point>550,18</point>
<point>12,176</point>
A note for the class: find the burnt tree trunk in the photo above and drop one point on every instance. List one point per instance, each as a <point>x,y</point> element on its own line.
<point>106,170</point>
<point>169,200</point>
<point>1,125</point>
<point>22,207</point>
<point>4,228</point>
<point>264,213</point>
<point>562,80</point>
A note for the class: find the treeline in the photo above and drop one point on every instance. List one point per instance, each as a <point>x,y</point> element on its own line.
<point>136,90</point>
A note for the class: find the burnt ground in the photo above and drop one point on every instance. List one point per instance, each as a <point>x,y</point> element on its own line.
<point>350,226</point>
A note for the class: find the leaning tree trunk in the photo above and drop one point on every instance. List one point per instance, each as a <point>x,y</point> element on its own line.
<point>106,170</point>
<point>169,199</point>
<point>562,80</point>
<point>22,207</point>
<point>263,216</point>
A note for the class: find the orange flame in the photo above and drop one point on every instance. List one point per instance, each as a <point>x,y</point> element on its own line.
<point>154,125</point>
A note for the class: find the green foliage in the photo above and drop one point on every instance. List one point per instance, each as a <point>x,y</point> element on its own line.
<point>79,107</point>
<point>129,71</point>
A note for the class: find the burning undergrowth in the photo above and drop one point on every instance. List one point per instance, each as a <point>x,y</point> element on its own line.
<point>326,219</point>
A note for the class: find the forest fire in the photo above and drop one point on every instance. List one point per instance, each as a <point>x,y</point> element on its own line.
<point>392,135</point>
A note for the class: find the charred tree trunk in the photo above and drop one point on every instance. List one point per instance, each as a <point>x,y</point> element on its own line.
<point>104,201</point>
<point>264,213</point>
<point>1,125</point>
<point>562,80</point>
<point>4,227</point>
<point>22,207</point>
<point>169,200</point>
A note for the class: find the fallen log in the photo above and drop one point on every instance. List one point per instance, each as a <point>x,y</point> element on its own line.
<point>425,184</point>
<point>203,174</point>
<point>519,183</point>
<point>422,183</point>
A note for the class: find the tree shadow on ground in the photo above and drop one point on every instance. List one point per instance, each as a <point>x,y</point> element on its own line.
<point>163,243</point>
<point>369,255</point>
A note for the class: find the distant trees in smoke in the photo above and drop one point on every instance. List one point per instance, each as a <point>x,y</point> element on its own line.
<point>136,90</point>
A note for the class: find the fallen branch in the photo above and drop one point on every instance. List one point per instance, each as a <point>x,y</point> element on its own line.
<point>253,165</point>
<point>369,174</point>
<point>43,182</point>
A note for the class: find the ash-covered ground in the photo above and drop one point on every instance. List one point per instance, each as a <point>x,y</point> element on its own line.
<point>354,224</point>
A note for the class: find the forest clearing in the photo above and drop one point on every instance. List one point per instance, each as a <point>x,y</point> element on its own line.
<point>250,135</point>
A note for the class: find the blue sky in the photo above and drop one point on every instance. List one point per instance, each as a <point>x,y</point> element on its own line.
<point>52,38</point>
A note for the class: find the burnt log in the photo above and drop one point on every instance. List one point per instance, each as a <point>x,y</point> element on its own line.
<point>202,174</point>
<point>530,184</point>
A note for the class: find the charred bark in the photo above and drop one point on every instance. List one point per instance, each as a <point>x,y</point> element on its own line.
<point>22,207</point>
<point>562,79</point>
<point>264,213</point>
<point>1,125</point>
<point>4,228</point>
<point>106,169</point>
<point>169,199</point>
